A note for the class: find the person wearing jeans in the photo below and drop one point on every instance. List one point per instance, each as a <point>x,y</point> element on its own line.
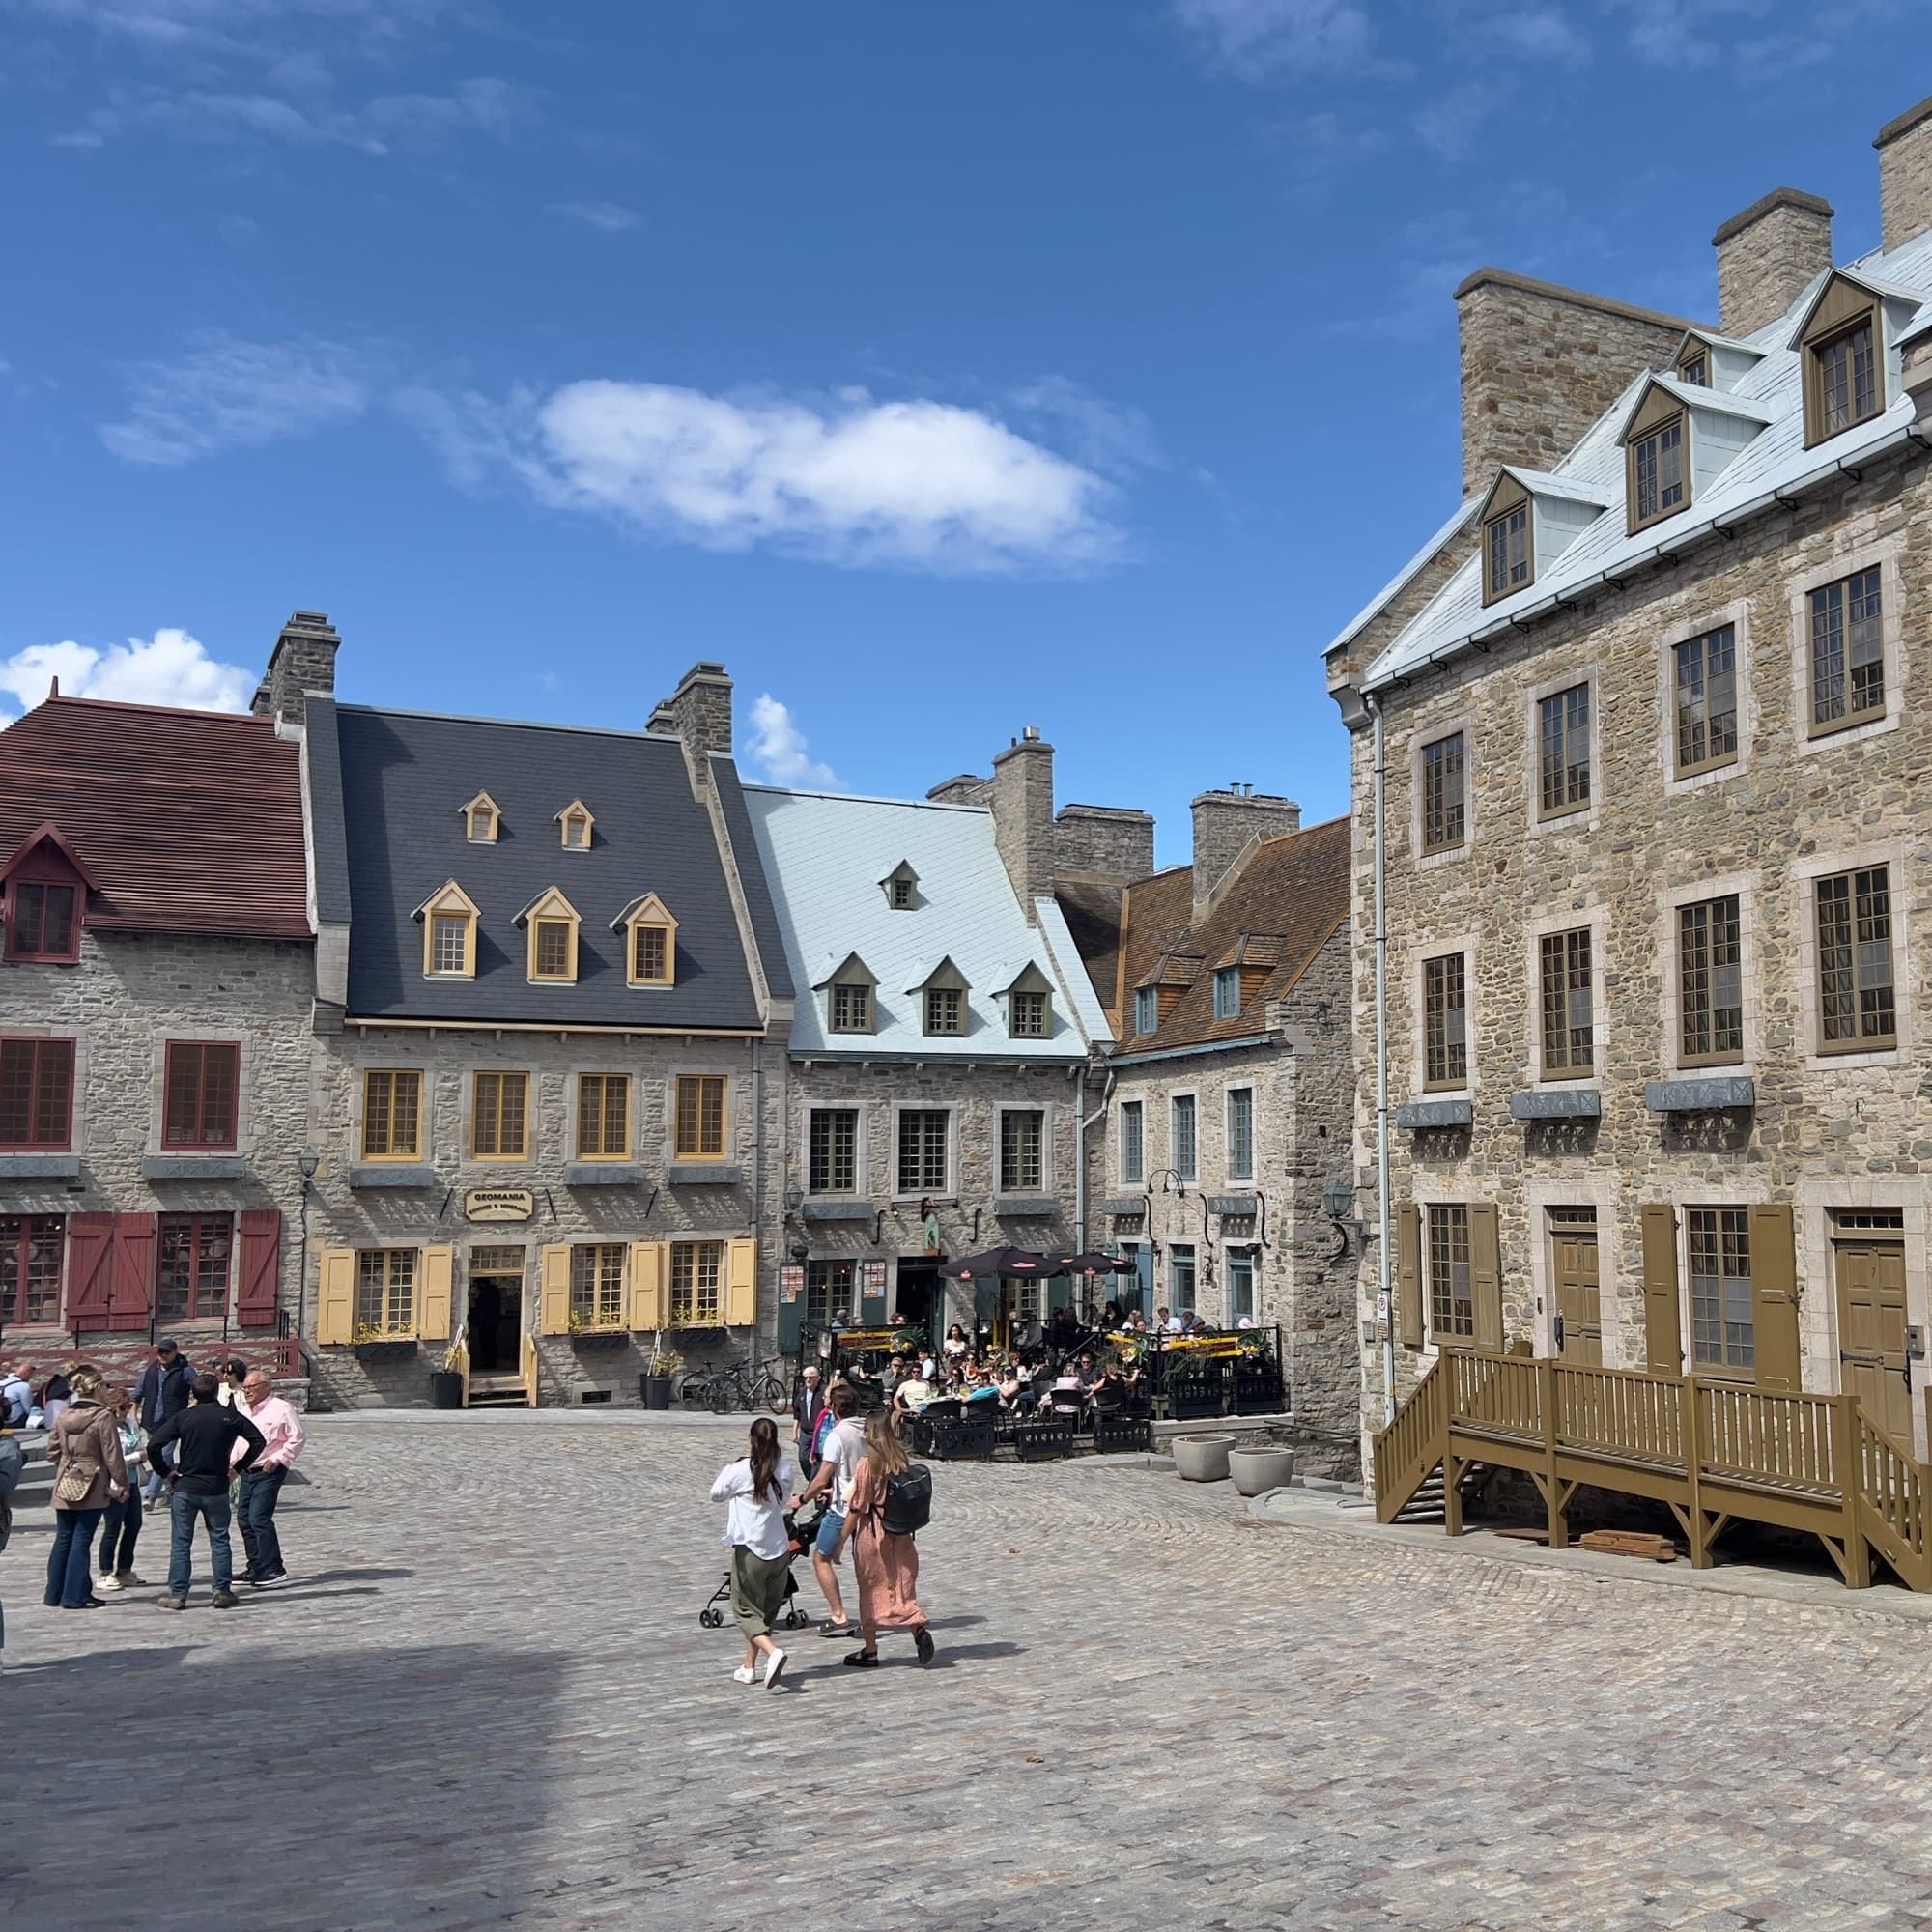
<point>282,1430</point>
<point>85,1450</point>
<point>204,1437</point>
<point>121,1526</point>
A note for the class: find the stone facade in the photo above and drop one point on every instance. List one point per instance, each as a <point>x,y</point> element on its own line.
<point>1226,823</point>
<point>303,660</point>
<point>1101,842</point>
<point>1767,255</point>
<point>1904,147</point>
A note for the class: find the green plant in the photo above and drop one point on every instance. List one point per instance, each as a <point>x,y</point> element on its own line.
<point>665,1361</point>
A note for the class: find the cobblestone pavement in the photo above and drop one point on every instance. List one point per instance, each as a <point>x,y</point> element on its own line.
<point>487,1700</point>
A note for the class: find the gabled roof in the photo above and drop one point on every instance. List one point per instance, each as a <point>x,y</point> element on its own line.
<point>1540,483</point>
<point>1693,396</point>
<point>49,834</point>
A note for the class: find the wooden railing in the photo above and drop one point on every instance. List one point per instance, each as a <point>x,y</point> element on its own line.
<point>1758,1437</point>
<point>458,1360</point>
<point>1411,1445</point>
<point>530,1367</point>
<point>1619,1412</point>
<point>1892,1504</point>
<point>1500,1394</point>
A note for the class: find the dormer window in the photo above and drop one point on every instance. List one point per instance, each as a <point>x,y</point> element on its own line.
<point>1506,548</point>
<point>850,1002</point>
<point>901,888</point>
<point>449,934</point>
<point>943,1002</point>
<point>1841,342</point>
<point>1227,993</point>
<point>1029,1001</point>
<point>551,923</point>
<point>1847,378</point>
<point>1657,473</point>
<point>45,904</point>
<point>481,819</point>
<point>1695,369</point>
<point>650,941</point>
<point>1529,520</point>
<point>1147,1008</point>
<point>576,822</point>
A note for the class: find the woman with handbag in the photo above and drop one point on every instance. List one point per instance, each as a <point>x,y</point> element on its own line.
<point>886,1561</point>
<point>89,1473</point>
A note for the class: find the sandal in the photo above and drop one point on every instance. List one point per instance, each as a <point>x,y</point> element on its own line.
<point>846,1629</point>
<point>863,1660</point>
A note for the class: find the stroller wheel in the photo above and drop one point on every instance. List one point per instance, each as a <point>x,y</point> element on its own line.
<point>796,1620</point>
<point>711,1619</point>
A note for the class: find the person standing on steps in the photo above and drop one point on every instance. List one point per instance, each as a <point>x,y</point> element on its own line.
<point>761,1546</point>
<point>84,1447</point>
<point>262,1487</point>
<point>887,1560</point>
<point>205,1435</point>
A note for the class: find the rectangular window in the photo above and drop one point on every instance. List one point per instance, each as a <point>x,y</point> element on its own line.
<point>392,1114</point>
<point>945,1009</point>
<point>201,1083</point>
<point>191,1271</point>
<point>31,1250</point>
<point>1134,1142</point>
<point>1856,1007</point>
<point>42,924</point>
<point>900,896</point>
<point>1563,742</point>
<point>1724,1329</point>
<point>1185,1149</point>
<point>922,1150</point>
<point>386,1294</point>
<point>497,1131</point>
<point>551,952</point>
<point>1847,653</point>
<point>851,1010</point>
<point>1507,552</point>
<point>828,1291</point>
<point>1707,701</point>
<point>834,1153</point>
<point>1452,1304</point>
<point>697,1284</point>
<point>449,942</point>
<point>1241,1133</point>
<point>35,1093</point>
<point>1709,979</point>
<point>1847,379</point>
<point>603,1115</point>
<point>1227,993</point>
<point>1568,1034</point>
<point>650,954</point>
<point>1029,1017</point>
<point>1146,1010</point>
<point>1443,806</point>
<point>1695,372</point>
<point>1180,1277</point>
<point>1657,461</point>
<point>700,1116</point>
<point>1022,1152</point>
<point>1240,1285</point>
<point>597,1285</point>
<point>1445,1021</point>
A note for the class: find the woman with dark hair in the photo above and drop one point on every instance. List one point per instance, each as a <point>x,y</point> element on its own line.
<point>887,1565</point>
<point>756,1488</point>
<point>956,1344</point>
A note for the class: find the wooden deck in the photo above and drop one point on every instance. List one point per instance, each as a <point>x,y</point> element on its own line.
<point>1712,1452</point>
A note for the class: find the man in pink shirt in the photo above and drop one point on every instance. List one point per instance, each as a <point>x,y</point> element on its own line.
<point>262,1486</point>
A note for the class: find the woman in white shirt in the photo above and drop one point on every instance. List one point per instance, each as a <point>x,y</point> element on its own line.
<point>756,1488</point>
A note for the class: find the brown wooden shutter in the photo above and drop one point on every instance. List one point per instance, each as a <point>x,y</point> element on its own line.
<point>1485,1275</point>
<point>335,1297</point>
<point>1663,1326</point>
<point>438,1274</point>
<point>1774,1267</point>
<point>132,1271</point>
<point>258,1275</point>
<point>1408,1274</point>
<point>90,1253</point>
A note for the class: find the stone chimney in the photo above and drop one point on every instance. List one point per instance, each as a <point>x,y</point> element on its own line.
<point>701,709</point>
<point>1226,823</point>
<point>1905,175</point>
<point>1541,363</point>
<point>1021,797</point>
<point>1107,843</point>
<point>303,660</point>
<point>1767,255</point>
<point>965,790</point>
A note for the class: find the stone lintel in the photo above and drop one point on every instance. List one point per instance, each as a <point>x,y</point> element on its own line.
<point>1557,1104</point>
<point>1124,1203</point>
<point>1415,1115</point>
<point>1233,1204</point>
<point>1025,1207</point>
<point>1715,1095</point>
<point>705,1173</point>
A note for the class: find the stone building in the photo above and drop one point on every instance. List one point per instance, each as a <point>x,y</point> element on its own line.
<point>1654,836</point>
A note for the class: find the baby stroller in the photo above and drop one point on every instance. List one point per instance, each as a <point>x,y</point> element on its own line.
<point>797,1541</point>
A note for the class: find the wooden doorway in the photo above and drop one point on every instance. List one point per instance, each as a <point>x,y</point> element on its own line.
<point>495,1321</point>
<point>1868,1262</point>
<point>1573,1278</point>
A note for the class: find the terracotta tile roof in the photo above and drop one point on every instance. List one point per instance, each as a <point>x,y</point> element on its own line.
<point>1288,900</point>
<point>192,821</point>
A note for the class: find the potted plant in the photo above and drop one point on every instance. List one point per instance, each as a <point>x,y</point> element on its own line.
<point>445,1384</point>
<point>659,1376</point>
<point>1258,1385</point>
<point>1195,1389</point>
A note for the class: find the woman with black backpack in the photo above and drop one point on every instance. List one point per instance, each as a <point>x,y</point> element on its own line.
<point>891,1501</point>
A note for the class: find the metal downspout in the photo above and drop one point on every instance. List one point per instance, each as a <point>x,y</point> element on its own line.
<point>1383,1261</point>
<point>758,1182</point>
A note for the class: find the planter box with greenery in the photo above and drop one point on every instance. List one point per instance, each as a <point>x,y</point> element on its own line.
<point>1200,1390</point>
<point>1258,1386</point>
<point>659,1376</point>
<point>599,1338</point>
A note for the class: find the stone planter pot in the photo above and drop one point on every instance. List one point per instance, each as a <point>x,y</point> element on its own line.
<point>1201,1459</point>
<point>656,1390</point>
<point>1258,1471</point>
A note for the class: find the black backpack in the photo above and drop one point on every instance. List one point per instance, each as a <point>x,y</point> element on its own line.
<point>908,1501</point>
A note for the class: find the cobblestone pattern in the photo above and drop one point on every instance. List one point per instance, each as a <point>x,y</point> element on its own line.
<point>1146,1712</point>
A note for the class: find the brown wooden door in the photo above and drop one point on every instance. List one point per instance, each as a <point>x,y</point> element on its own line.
<point>1579,1301</point>
<point>1871,1331</point>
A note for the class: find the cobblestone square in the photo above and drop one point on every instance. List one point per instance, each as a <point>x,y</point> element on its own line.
<point>487,1700</point>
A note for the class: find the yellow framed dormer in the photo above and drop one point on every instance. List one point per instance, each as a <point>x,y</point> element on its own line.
<point>482,820</point>
<point>551,924</point>
<point>576,825</point>
<point>650,941</point>
<point>449,917</point>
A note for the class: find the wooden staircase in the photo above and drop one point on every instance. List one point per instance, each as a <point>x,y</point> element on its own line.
<point>517,1390</point>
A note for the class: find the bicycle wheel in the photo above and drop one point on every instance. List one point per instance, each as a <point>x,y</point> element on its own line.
<point>770,1393</point>
<point>722,1392</point>
<point>694,1391</point>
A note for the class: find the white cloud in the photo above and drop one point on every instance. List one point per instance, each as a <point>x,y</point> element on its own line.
<point>607,218</point>
<point>225,394</point>
<point>170,667</point>
<point>778,749</point>
<point>845,478</point>
<point>1260,39</point>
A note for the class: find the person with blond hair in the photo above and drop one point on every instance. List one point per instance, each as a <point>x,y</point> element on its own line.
<point>90,1472</point>
<point>886,1561</point>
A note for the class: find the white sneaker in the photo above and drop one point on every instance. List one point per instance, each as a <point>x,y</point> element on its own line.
<point>108,1584</point>
<point>744,1674</point>
<point>775,1662</point>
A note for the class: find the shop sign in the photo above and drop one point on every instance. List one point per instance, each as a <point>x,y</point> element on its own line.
<point>792,1283</point>
<point>498,1203</point>
<point>872,1280</point>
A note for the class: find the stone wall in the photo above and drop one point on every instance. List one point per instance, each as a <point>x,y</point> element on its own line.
<point>1021,797</point>
<point>302,659</point>
<point>1226,823</point>
<point>1767,255</point>
<point>1102,841</point>
<point>1905,174</point>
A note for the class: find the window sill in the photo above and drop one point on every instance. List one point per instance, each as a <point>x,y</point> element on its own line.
<point>39,1167</point>
<point>1025,1207</point>
<point>1234,1205</point>
<point>839,1207</point>
<point>193,1167</point>
<point>1712,1093</point>
<point>1416,1116</point>
<point>1120,1205</point>
<point>602,1174</point>
<point>402,1174</point>
<point>704,1173</point>
<point>1561,1103</point>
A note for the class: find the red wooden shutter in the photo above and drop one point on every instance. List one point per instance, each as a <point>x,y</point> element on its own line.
<point>89,1241</point>
<point>259,1275</point>
<point>132,1275</point>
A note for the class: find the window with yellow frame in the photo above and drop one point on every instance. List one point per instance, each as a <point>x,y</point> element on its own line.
<point>700,1116</point>
<point>650,941</point>
<point>551,925</point>
<point>576,823</point>
<point>603,1115</point>
<point>449,919</point>
<point>392,1113</point>
<point>499,1117</point>
<point>481,818</point>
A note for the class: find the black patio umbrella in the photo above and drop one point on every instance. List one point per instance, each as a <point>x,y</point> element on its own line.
<point>1016,1264</point>
<point>1094,1263</point>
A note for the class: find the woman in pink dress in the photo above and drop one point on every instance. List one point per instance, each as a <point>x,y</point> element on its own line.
<point>887,1565</point>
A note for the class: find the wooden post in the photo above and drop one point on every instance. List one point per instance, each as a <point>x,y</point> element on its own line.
<point>1452,1491</point>
<point>1857,1553</point>
<point>1693,1458</point>
<point>1560,1522</point>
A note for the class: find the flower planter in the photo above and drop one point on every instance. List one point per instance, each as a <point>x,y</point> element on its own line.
<point>656,1390</point>
<point>1257,1390</point>
<point>445,1389</point>
<point>1201,1459</point>
<point>1190,1397</point>
<point>1258,1471</point>
<point>600,1338</point>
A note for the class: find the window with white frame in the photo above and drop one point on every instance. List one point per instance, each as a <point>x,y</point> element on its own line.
<point>1241,1133</point>
<point>1146,1010</point>
<point>1133,1142</point>
<point>1227,993</point>
<point>1185,1157</point>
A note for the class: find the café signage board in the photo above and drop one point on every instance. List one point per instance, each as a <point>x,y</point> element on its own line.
<point>498,1203</point>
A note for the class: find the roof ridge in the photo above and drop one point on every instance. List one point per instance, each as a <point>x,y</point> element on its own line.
<point>159,710</point>
<point>508,723</point>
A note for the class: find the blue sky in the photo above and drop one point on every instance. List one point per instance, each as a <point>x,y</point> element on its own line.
<point>941,369</point>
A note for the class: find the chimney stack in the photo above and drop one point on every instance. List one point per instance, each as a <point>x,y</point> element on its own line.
<point>303,660</point>
<point>1767,255</point>
<point>1112,844</point>
<point>1905,175</point>
<point>1021,798</point>
<point>1226,823</point>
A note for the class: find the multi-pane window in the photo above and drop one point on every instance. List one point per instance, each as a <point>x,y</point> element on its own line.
<point>1847,379</point>
<point>1022,1152</point>
<point>550,954</point>
<point>1563,751</point>
<point>828,1291</point>
<point>41,925</point>
<point>1133,1142</point>
<point>945,1009</point>
<point>1445,1021</point>
<point>1508,552</point>
<point>1147,1008</point>
<point>1240,1283</point>
<point>650,954</point>
<point>1241,1133</point>
<point>1452,1302</point>
<point>1183,1141</point>
<point>35,1093</point>
<point>1855,1001</point>
<point>501,1117</point>
<point>1723,1332</point>
<point>1028,1015</point>
<point>1227,993</point>
<point>1707,700</point>
<point>1657,465</point>
<point>898,894</point>
<point>697,1284</point>
<point>1847,653</point>
<point>852,1009</point>
<point>200,1086</point>
<point>1694,371</point>
<point>192,1271</point>
<point>31,1247</point>
<point>385,1294</point>
<point>833,1155</point>
<point>1181,1293</point>
<point>1709,979</point>
<point>700,1116</point>
<point>597,1285</point>
<point>1444,808</point>
<point>922,1150</point>
<point>448,943</point>
<point>1568,1034</point>
<point>576,830</point>
<point>392,1114</point>
<point>603,1115</point>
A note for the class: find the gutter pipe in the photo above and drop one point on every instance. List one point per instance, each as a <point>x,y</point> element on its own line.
<point>1383,1265</point>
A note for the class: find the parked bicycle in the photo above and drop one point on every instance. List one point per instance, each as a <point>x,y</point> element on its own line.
<point>734,1386</point>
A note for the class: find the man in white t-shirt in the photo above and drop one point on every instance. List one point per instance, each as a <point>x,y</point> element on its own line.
<point>838,1465</point>
<point>1167,1324</point>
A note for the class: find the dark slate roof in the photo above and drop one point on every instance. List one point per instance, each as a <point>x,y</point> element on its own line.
<point>189,821</point>
<point>323,755</point>
<point>405,778</point>
<point>752,876</point>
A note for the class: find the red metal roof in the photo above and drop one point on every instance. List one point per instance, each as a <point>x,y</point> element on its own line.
<point>192,821</point>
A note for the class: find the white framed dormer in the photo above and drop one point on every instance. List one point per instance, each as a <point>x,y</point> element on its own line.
<point>1833,639</point>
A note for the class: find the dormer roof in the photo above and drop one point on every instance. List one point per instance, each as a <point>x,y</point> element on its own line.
<point>1541,483</point>
<point>1252,948</point>
<point>48,834</point>
<point>646,909</point>
<point>850,970</point>
<point>550,903</point>
<point>1894,293</point>
<point>1692,396</point>
<point>945,975</point>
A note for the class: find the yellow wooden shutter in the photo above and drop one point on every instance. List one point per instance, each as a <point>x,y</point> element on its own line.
<point>1408,1274</point>
<point>1663,1325</point>
<point>553,1291</point>
<point>1485,1276</point>
<point>438,1274</point>
<point>335,1297</point>
<point>1774,1267</point>
<point>741,1284</point>
<point>650,1284</point>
